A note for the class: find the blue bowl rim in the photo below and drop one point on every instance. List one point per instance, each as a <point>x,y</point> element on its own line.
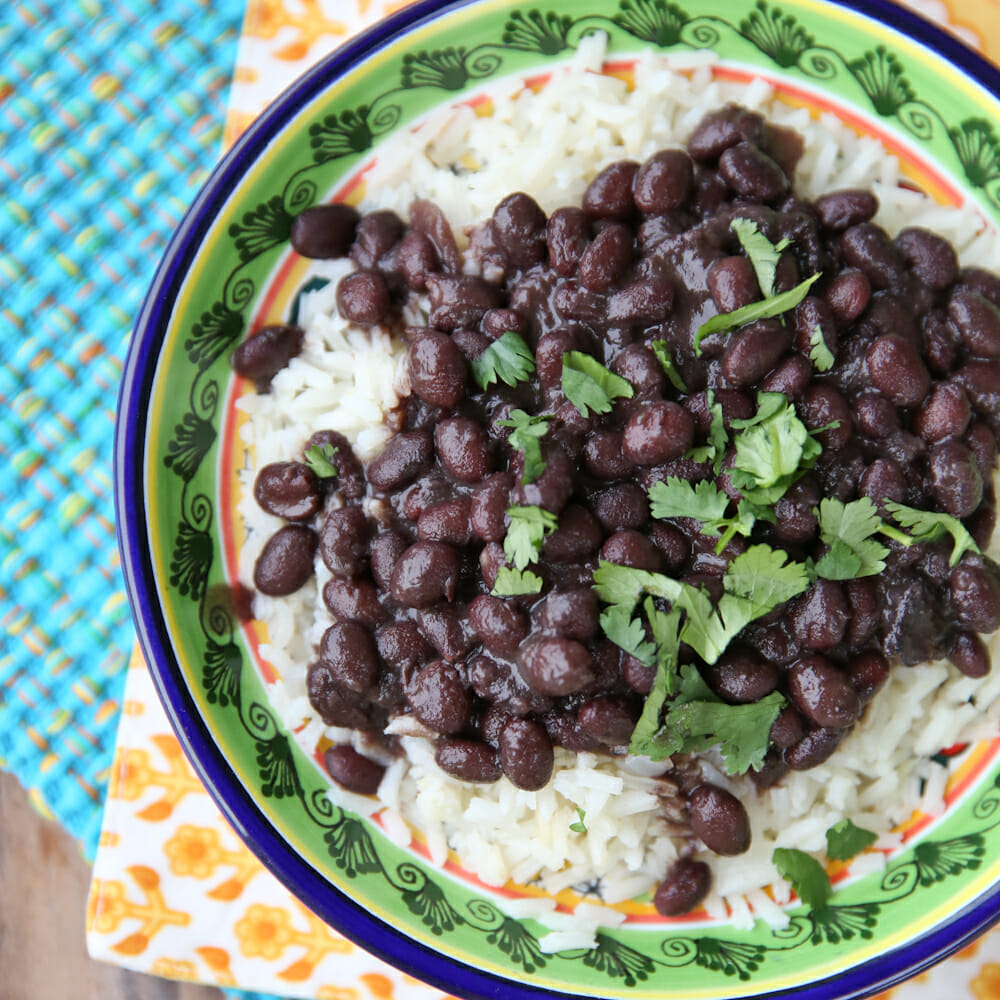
<point>252,826</point>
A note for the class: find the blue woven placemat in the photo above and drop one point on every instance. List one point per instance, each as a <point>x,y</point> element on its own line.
<point>111,112</point>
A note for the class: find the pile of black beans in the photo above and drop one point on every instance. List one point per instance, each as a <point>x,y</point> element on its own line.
<point>413,541</point>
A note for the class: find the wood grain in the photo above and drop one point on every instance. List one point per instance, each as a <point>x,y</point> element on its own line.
<point>43,896</point>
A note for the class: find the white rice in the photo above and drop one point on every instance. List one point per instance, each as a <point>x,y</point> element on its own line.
<point>348,379</point>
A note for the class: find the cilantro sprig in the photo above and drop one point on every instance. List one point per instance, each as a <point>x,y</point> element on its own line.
<point>847,529</point>
<point>844,840</point>
<point>319,458</point>
<point>666,359</point>
<point>807,876</point>
<point>589,386</point>
<point>819,354</point>
<point>764,255</point>
<point>516,583</point>
<point>526,438</point>
<point>527,531</point>
<point>714,450</point>
<point>930,526</point>
<point>579,826</point>
<point>508,359</point>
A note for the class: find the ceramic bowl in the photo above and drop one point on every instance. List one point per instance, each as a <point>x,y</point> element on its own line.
<point>226,272</point>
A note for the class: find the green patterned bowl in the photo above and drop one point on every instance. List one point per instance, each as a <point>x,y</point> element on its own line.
<point>930,98</point>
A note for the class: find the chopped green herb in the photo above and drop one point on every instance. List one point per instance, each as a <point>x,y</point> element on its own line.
<point>764,255</point>
<point>589,386</point>
<point>508,359</point>
<point>819,354</point>
<point>844,840</point>
<point>929,526</point>
<point>627,632</point>
<point>579,826</point>
<point>514,583</point>
<point>625,585</point>
<point>715,450</point>
<point>766,308</point>
<point>666,359</point>
<point>320,457</point>
<point>847,529</point>
<point>808,877</point>
<point>525,437</point>
<point>528,528</point>
<point>765,577</point>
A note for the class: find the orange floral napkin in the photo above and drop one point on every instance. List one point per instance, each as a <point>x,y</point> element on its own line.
<point>175,892</point>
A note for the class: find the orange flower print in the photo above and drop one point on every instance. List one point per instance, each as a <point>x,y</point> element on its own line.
<point>106,906</point>
<point>194,850</point>
<point>306,28</point>
<point>174,968</point>
<point>264,931</point>
<point>986,986</point>
<point>133,774</point>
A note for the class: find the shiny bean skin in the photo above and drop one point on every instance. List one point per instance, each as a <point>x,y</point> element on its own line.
<point>609,194</point>
<point>897,371</point>
<point>932,259</point>
<point>604,455</point>
<point>552,489</point>
<point>741,677</point>
<point>376,234</point>
<point>350,478</point>
<point>353,599</point>
<point>577,535</point>
<point>448,630</point>
<point>955,481</point>
<point>349,652</point>
<point>642,301</point>
<point>386,548</point>
<point>439,698</point>
<point>970,654</point>
<point>526,754</point>
<point>663,182</point>
<point>500,624</point>
<point>606,259</point>
<point>869,249</point>
<point>402,646</point>
<point>823,693</point>
<point>447,521</point>
<point>609,719</point>
<point>751,173</point>
<point>464,449</point>
<point>750,354</point>
<point>818,618</point>
<point>289,490</point>
<point>427,218</point>
<point>574,614</point>
<point>981,382</point>
<point>848,295</point>
<point>468,760</point>
<point>416,259</point>
<point>338,706</point>
<point>555,666</point>
<point>790,377</point>
<point>883,480</point>
<point>975,595</point>
<point>718,130</point>
<point>877,417</point>
<point>353,771</point>
<point>732,283</point>
<point>684,888</point>
<point>363,297</point>
<point>324,231</point>
<point>640,368</point>
<point>425,573</point>
<point>840,210</point>
<point>823,405</point>
<point>437,370</point>
<point>618,507</point>
<point>814,748</point>
<point>812,313</point>
<point>488,508</point>
<point>719,820</point>
<point>261,356</point>
<point>632,548</point>
<point>343,542</point>
<point>977,321</point>
<point>867,672</point>
<point>788,728</point>
<point>286,561</point>
<point>567,235</point>
<point>657,432</point>
<point>401,461</point>
<point>550,350</point>
<point>519,229</point>
<point>944,413</point>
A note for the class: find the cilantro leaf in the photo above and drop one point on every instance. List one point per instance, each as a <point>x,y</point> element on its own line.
<point>846,528</point>
<point>525,437</point>
<point>319,458</point>
<point>589,386</point>
<point>579,826</point>
<point>528,528</point>
<point>666,628</point>
<point>676,497</point>
<point>765,577</point>
<point>666,359</point>
<point>764,255</point>
<point>774,306</point>
<point>929,526</point>
<point>627,632</point>
<point>808,877</point>
<point>715,450</point>
<point>508,359</point>
<point>844,840</point>
<point>514,583</point>
<point>625,585</point>
<point>819,354</point>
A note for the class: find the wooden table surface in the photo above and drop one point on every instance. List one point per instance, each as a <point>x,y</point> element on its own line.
<point>43,897</point>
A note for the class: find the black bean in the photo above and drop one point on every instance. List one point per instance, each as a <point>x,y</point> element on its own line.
<point>286,561</point>
<point>657,432</point>
<point>604,456</point>
<point>555,666</point>
<point>868,248</point>
<point>796,520</point>
<point>623,506</point>
<point>970,654</point>
<point>350,477</point>
<point>848,295</point>
<point>568,235</point>
<point>867,672</point>
<point>719,130</point>
<point>955,480</point>
<point>790,377</point>
<point>348,650</point>
<point>813,313</point>
<point>519,229</point>
<point>732,283</point>
<point>788,728</point>
<point>552,489</point>
<point>638,365</point>
<point>552,345</point>
<point>464,449</point>
<point>823,405</point>
<point>573,614</point>
<point>897,371</point>
<point>460,300</point>
<point>386,549</point>
<point>608,718</point>
<point>403,647</point>
<point>324,231</point>
<point>428,219</point>
<point>439,698</point>
<point>944,413</point>
<point>353,771</point>
<point>977,321</point>
<point>931,258</point>
<point>883,480</point>
<point>425,573</point>
<point>344,541</point>
<point>337,705</point>
<point>490,560</point>
<point>815,747</point>
<point>404,457</point>
<point>839,210</point>
<point>609,194</point>
<point>719,820</point>
<point>437,369</point>
<point>416,259</point>
<point>632,548</point>
<point>823,693</point>
<point>981,382</point>
<point>447,629</point>
<point>447,521</point>
<point>751,173</point>
<point>526,754</point>
<point>500,624</point>
<point>752,352</point>
<point>488,509</point>
<point>289,490</point>
<point>663,182</point>
<point>467,760</point>
<point>363,297</point>
<point>684,887</point>
<point>606,259</point>
<point>983,444</point>
<point>877,416</point>
<point>642,301</point>
<point>376,234</point>
<point>740,676</point>
<point>261,356</point>
<point>975,595</point>
<point>353,599</point>
<point>818,618</point>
